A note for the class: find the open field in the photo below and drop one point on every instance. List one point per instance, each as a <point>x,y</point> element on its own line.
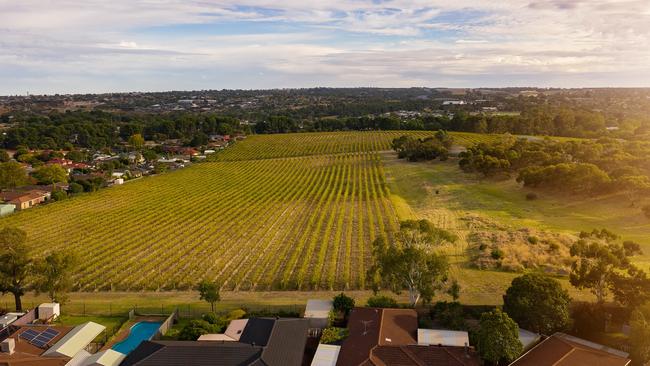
<point>413,186</point>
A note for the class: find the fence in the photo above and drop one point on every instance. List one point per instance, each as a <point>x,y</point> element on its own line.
<point>166,325</point>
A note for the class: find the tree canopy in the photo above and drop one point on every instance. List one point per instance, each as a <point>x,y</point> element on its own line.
<point>498,337</point>
<point>15,263</point>
<point>538,303</point>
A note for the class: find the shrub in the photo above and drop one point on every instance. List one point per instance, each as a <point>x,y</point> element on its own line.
<point>482,247</point>
<point>343,304</point>
<point>75,188</point>
<point>333,334</point>
<point>449,314</point>
<point>382,302</point>
<point>497,253</point>
<point>236,314</point>
<point>588,319</point>
<point>531,196</point>
<point>196,328</point>
<point>211,318</point>
<point>59,195</point>
<point>533,239</point>
<point>553,246</point>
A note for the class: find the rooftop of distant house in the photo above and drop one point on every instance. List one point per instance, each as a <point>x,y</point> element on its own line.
<point>564,350</point>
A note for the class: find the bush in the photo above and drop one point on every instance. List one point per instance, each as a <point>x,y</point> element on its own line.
<point>236,314</point>
<point>533,239</point>
<point>382,302</point>
<point>588,319</point>
<point>343,304</point>
<point>531,196</point>
<point>59,195</point>
<point>497,253</point>
<point>211,318</point>
<point>75,188</point>
<point>449,314</point>
<point>333,335</point>
<point>196,328</point>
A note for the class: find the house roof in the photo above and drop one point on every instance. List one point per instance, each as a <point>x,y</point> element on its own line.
<point>380,337</point>
<point>564,350</point>
<point>326,355</point>
<point>108,357</point>
<point>441,337</point>
<point>188,353</point>
<point>26,354</point>
<point>76,340</point>
<point>423,355</point>
<point>264,342</point>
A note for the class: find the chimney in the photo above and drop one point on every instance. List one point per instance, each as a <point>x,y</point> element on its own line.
<point>8,346</point>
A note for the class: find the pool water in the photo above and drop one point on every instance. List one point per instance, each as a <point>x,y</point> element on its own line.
<point>142,331</point>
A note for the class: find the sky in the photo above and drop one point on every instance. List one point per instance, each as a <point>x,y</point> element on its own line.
<point>92,46</point>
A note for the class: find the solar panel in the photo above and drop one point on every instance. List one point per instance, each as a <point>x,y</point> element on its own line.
<point>42,339</point>
<point>29,334</point>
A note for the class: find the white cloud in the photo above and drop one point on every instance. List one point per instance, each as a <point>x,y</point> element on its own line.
<point>74,45</point>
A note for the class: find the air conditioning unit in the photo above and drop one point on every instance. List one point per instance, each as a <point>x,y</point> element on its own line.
<point>8,346</point>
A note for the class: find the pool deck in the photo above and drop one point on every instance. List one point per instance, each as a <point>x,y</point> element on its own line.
<point>126,329</point>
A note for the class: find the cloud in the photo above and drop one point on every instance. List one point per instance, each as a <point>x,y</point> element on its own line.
<point>93,45</point>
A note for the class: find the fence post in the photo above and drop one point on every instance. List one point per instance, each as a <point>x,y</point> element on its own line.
<point>84,309</point>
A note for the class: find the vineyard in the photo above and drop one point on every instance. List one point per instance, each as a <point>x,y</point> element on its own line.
<point>303,144</point>
<point>293,211</point>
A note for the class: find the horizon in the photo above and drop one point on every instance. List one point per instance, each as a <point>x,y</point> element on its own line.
<point>95,47</point>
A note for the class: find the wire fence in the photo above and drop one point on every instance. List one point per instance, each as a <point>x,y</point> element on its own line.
<point>185,311</point>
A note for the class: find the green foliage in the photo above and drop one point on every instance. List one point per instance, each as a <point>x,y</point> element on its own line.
<point>449,314</point>
<point>498,337</point>
<point>136,141</point>
<point>77,156</point>
<point>50,174</point>
<point>588,319</point>
<point>381,302</point>
<point>15,263</point>
<point>236,314</point>
<point>75,188</point>
<point>209,291</point>
<point>537,303</point>
<point>454,290</point>
<point>333,335</point>
<point>196,328</point>
<point>429,148</point>
<point>578,177</point>
<point>4,156</point>
<point>343,304</point>
<point>12,175</point>
<point>54,275</point>
<point>409,262</point>
<point>597,259</point>
<point>59,195</point>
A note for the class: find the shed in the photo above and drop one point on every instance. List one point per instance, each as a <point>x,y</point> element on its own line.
<point>6,209</point>
<point>76,340</point>
<point>442,337</point>
<point>48,311</point>
<point>326,355</point>
<point>317,312</point>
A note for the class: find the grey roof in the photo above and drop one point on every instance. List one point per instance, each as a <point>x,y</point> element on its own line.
<point>278,342</point>
<point>188,353</point>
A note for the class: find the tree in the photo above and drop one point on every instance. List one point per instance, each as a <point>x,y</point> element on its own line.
<point>136,141</point>
<point>209,291</point>
<point>630,288</point>
<point>595,264</point>
<point>15,263</point>
<point>640,335</point>
<point>538,303</point>
<point>4,156</point>
<point>12,175</point>
<point>51,174</point>
<point>498,337</point>
<point>196,328</point>
<point>343,304</point>
<point>409,261</point>
<point>76,156</point>
<point>54,275</point>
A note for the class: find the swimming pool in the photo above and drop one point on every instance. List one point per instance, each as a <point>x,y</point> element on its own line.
<point>142,331</point>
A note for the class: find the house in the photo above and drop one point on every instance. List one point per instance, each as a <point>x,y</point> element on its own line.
<point>25,200</point>
<point>383,337</point>
<point>7,209</point>
<point>564,350</point>
<point>262,341</point>
<point>317,312</point>
<point>38,345</point>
